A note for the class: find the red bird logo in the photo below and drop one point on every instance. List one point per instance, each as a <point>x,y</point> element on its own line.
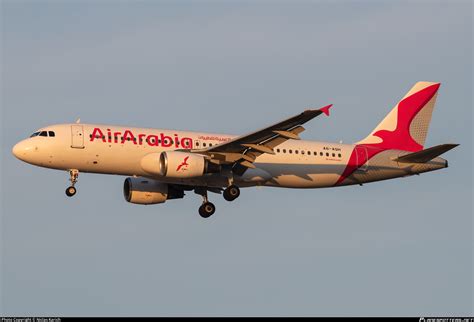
<point>183,164</point>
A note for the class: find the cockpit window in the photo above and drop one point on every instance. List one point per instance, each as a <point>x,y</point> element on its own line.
<point>51,134</point>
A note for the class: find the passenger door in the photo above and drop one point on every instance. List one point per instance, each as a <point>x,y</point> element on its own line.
<point>77,136</point>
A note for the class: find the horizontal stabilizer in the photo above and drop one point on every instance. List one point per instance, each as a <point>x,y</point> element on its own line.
<point>426,155</point>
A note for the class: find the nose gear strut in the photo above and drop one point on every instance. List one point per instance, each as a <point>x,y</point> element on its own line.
<point>71,190</point>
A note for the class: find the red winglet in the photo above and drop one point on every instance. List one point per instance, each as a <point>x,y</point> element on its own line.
<point>325,109</point>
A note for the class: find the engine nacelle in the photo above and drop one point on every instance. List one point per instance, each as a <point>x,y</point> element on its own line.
<point>148,192</point>
<point>176,164</point>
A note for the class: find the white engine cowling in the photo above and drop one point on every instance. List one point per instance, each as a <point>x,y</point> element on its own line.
<point>148,192</point>
<point>176,164</point>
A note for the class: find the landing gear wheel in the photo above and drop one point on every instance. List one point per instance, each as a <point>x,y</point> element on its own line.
<point>207,209</point>
<point>70,191</point>
<point>231,193</point>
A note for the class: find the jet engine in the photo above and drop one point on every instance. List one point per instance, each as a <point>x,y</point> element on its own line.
<point>176,164</point>
<point>149,192</point>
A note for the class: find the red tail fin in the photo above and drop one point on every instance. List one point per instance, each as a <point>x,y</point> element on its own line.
<point>406,126</point>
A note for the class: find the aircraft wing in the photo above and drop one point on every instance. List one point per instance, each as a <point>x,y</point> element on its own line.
<point>243,150</point>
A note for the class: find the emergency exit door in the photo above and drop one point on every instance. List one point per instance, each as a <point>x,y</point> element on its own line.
<point>77,135</point>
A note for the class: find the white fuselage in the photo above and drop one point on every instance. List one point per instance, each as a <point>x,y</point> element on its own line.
<point>119,150</point>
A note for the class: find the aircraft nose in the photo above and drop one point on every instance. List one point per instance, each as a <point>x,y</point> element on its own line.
<point>16,150</point>
<point>21,150</point>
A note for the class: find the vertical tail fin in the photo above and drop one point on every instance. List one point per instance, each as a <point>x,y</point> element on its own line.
<point>406,126</point>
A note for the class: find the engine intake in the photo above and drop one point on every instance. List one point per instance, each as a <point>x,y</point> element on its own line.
<point>148,192</point>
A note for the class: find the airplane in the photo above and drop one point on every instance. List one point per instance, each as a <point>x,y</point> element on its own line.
<point>162,164</point>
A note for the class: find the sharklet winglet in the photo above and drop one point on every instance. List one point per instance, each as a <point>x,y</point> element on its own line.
<point>325,109</point>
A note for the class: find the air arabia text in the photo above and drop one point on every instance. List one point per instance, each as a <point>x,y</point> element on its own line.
<point>140,139</point>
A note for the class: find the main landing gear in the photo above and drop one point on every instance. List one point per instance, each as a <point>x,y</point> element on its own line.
<point>71,190</point>
<point>207,209</point>
<point>231,193</point>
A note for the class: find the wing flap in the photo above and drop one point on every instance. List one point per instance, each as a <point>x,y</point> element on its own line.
<point>260,148</point>
<point>287,134</point>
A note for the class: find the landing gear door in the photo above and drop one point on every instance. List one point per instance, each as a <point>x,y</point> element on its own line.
<point>362,159</point>
<point>77,137</point>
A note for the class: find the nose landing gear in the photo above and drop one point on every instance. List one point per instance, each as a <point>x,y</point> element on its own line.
<point>71,190</point>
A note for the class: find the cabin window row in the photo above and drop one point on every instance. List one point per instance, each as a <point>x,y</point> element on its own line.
<point>303,152</point>
<point>290,151</point>
<point>203,144</point>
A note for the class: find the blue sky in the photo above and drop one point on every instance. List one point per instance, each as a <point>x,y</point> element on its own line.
<point>400,247</point>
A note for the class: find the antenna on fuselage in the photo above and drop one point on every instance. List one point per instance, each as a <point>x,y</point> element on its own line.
<point>78,121</point>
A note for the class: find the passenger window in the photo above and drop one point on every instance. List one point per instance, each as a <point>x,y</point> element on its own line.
<point>309,152</point>
<point>284,150</point>
<point>197,143</point>
<point>290,151</point>
<point>43,133</point>
<point>51,134</point>
<point>210,144</point>
<point>320,153</point>
<point>302,152</point>
<point>278,150</point>
<point>315,153</point>
<point>339,155</point>
<point>296,151</point>
<point>204,144</point>
<point>327,154</point>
